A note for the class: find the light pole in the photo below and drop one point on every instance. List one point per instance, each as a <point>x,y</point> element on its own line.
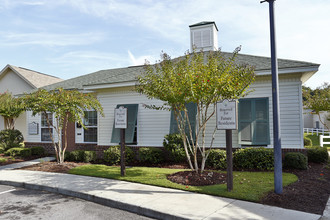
<point>276,105</point>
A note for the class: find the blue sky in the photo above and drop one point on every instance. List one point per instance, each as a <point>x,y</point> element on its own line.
<point>68,38</point>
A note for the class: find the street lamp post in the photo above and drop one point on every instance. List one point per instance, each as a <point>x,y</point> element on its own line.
<point>276,106</point>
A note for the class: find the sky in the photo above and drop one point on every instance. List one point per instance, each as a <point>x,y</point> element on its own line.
<point>69,38</point>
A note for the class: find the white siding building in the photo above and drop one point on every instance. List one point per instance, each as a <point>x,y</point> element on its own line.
<point>115,87</point>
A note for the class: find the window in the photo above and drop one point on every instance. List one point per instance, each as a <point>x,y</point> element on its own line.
<point>253,120</point>
<point>131,130</point>
<point>192,111</point>
<point>90,122</point>
<point>45,131</point>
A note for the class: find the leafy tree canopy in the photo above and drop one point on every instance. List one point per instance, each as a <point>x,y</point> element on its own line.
<point>198,77</point>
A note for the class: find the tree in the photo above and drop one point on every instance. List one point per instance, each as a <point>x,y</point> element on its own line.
<point>67,106</point>
<point>318,100</point>
<point>10,109</point>
<point>198,77</point>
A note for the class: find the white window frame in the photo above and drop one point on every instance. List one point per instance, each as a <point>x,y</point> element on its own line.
<point>90,126</point>
<point>46,126</point>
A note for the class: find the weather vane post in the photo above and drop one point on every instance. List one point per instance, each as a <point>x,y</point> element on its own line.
<point>276,106</point>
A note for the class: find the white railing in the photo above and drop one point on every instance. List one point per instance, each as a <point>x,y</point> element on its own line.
<point>316,131</point>
<point>322,142</point>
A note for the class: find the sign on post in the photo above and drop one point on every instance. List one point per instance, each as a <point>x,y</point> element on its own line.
<point>121,117</point>
<point>121,122</point>
<point>227,115</point>
<point>227,120</point>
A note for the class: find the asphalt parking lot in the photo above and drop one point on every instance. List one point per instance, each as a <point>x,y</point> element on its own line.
<point>19,203</point>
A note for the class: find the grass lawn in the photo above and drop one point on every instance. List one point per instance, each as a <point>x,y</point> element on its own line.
<point>251,186</point>
<point>316,140</point>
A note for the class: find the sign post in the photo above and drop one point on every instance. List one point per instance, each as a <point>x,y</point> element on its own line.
<point>227,120</point>
<point>121,122</point>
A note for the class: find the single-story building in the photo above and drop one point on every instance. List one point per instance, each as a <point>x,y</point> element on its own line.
<point>147,127</point>
<point>19,80</point>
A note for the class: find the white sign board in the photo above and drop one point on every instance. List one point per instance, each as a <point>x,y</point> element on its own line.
<point>227,115</point>
<point>121,117</point>
<point>33,128</point>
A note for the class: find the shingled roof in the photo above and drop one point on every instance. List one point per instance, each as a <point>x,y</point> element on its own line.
<point>34,78</point>
<point>129,74</point>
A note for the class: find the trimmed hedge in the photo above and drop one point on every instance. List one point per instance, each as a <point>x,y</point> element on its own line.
<point>308,142</point>
<point>11,138</point>
<point>317,154</point>
<point>173,144</point>
<point>295,160</point>
<point>254,158</point>
<point>38,151</point>
<point>112,155</point>
<point>217,159</point>
<point>18,152</point>
<point>80,156</point>
<point>151,155</point>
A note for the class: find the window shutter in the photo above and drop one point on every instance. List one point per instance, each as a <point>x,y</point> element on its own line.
<point>132,110</point>
<point>253,120</point>
<point>192,111</point>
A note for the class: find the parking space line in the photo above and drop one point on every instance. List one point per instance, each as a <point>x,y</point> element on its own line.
<point>7,191</point>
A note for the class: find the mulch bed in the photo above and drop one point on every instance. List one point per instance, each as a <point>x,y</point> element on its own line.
<point>191,178</point>
<point>309,194</point>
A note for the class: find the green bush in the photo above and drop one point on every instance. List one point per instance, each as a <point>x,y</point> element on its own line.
<point>317,154</point>
<point>295,160</point>
<point>217,159</point>
<point>151,155</point>
<point>2,149</point>
<point>80,156</point>
<point>173,144</point>
<point>112,155</point>
<point>308,142</point>
<point>18,152</point>
<point>11,138</point>
<point>38,151</point>
<point>254,158</point>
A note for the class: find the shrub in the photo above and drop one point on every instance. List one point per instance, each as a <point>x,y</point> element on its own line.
<point>112,155</point>
<point>217,159</point>
<point>254,158</point>
<point>19,152</point>
<point>317,154</point>
<point>80,156</point>
<point>173,144</point>
<point>2,149</point>
<point>11,138</point>
<point>151,155</point>
<point>308,142</point>
<point>38,151</point>
<point>295,160</point>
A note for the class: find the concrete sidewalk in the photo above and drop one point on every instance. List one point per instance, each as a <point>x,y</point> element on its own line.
<point>152,201</point>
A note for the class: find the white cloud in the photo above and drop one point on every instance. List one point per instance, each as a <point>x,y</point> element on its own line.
<point>139,60</point>
<point>48,39</point>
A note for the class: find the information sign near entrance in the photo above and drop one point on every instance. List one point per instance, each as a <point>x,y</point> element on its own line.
<point>121,122</point>
<point>227,120</point>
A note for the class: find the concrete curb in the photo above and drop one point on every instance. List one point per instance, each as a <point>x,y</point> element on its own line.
<point>326,213</point>
<point>96,199</point>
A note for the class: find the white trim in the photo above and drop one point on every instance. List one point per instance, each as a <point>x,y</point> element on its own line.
<point>288,70</point>
<point>301,117</point>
